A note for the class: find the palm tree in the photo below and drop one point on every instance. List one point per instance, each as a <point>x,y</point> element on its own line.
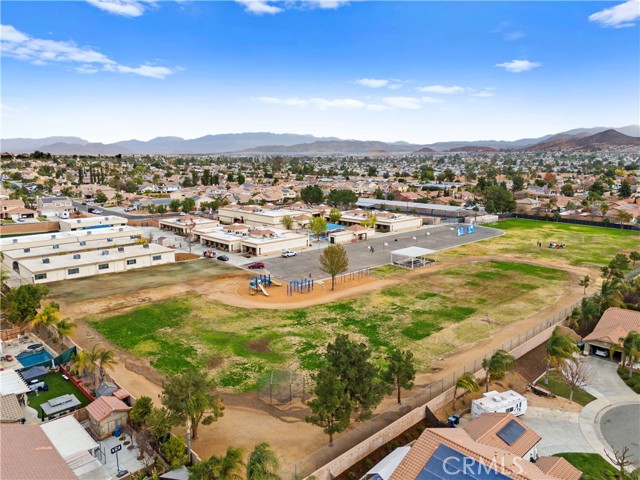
<point>631,349</point>
<point>48,316</point>
<point>497,366</point>
<point>560,349</point>
<point>64,327</point>
<point>263,463</point>
<point>228,467</point>
<point>83,363</point>
<point>467,381</point>
<point>104,358</point>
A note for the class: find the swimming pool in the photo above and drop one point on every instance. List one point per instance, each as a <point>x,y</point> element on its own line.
<point>334,226</point>
<point>28,359</point>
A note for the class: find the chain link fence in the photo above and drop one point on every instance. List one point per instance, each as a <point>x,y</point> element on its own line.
<point>282,386</point>
<point>419,399</point>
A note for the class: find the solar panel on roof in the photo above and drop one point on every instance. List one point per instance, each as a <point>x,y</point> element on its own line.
<point>511,432</point>
<point>449,464</point>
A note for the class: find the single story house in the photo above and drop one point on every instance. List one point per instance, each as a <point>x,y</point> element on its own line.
<point>615,323</point>
<point>105,414</point>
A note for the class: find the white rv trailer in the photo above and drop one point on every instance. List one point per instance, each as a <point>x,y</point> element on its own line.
<point>499,402</point>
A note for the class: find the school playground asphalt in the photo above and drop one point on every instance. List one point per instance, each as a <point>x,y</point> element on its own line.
<point>308,262</point>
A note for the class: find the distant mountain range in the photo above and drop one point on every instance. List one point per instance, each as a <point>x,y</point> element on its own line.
<point>287,143</point>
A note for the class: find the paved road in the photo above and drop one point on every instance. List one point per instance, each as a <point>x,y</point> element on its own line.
<point>620,427</point>
<point>308,262</point>
<point>105,211</point>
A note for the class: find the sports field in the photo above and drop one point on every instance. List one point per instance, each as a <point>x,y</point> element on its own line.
<point>585,246</point>
<point>432,315</point>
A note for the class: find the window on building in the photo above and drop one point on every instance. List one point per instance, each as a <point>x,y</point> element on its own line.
<point>73,271</point>
<point>131,262</point>
<point>103,266</point>
<point>40,276</point>
<point>157,257</point>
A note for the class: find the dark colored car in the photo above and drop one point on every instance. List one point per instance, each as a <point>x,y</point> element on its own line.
<point>223,258</point>
<point>255,265</point>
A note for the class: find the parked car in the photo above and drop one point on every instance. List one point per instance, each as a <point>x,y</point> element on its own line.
<point>97,210</point>
<point>91,210</point>
<point>288,253</point>
<point>223,258</point>
<point>21,220</point>
<point>255,265</point>
<point>182,214</point>
<point>84,203</point>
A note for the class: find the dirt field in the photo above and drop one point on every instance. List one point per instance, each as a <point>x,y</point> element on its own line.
<point>247,421</point>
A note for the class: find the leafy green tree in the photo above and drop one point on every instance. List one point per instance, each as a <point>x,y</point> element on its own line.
<point>331,407</point>
<point>560,350</point>
<point>190,395</point>
<point>467,381</point>
<point>23,302</point>
<point>174,451</point>
<point>188,205</point>
<point>241,179</point>
<point>343,198</point>
<point>101,197</point>
<point>400,371</point>
<point>616,267</point>
<point>287,222</point>
<point>335,215</point>
<point>567,190</point>
<point>623,217</point>
<point>585,282</point>
<point>311,194</point>
<point>625,190</point>
<point>49,316</point>
<point>141,410</point>
<point>159,422</point>
<point>175,205</point>
<point>263,463</point>
<point>351,362</point>
<point>318,225</point>
<point>334,261</point>
<point>634,256</point>
<point>518,183</point>
<point>64,327</point>
<point>161,209</point>
<point>370,221</point>
<point>497,199</point>
<point>497,366</point>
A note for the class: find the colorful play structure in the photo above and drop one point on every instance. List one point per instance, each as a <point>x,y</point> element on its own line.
<point>465,230</point>
<point>304,285</point>
<point>260,282</point>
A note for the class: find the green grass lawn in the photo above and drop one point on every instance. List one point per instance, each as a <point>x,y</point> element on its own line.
<point>57,386</point>
<point>387,271</point>
<point>431,315</point>
<point>559,386</point>
<point>586,245</point>
<point>592,465</point>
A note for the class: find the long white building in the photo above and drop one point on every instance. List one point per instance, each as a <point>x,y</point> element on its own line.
<point>97,262</point>
<point>62,238</point>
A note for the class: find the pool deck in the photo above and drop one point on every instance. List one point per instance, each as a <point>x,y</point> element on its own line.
<point>19,345</point>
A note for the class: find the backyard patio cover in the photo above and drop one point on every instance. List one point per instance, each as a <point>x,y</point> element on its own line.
<point>413,252</point>
<point>33,372</point>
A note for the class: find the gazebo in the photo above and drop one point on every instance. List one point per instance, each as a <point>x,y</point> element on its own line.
<point>412,257</point>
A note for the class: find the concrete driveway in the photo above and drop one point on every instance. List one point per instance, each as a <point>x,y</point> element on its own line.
<point>439,238</point>
<point>612,421</point>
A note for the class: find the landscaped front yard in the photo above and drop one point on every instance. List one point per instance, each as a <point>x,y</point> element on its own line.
<point>558,385</point>
<point>431,315</point>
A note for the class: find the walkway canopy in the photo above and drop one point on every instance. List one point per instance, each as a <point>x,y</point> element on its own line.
<point>412,257</point>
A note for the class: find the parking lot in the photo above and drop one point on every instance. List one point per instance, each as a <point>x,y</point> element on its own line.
<point>360,256</point>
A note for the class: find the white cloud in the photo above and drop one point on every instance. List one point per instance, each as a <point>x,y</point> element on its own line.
<point>431,100</point>
<point>407,103</point>
<point>321,103</point>
<point>513,36</point>
<point>621,16</point>
<point>125,8</point>
<point>372,82</point>
<point>37,51</point>
<point>483,94</point>
<point>259,7</point>
<point>518,66</point>
<point>443,89</point>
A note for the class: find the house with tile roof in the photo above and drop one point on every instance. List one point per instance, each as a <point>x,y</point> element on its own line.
<point>485,448</point>
<point>615,323</point>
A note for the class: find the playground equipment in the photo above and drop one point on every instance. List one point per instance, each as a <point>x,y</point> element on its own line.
<point>304,285</point>
<point>354,275</point>
<point>464,230</point>
<point>259,283</point>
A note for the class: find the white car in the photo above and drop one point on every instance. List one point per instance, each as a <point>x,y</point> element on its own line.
<point>288,253</point>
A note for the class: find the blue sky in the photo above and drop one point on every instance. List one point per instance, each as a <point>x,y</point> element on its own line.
<point>109,70</point>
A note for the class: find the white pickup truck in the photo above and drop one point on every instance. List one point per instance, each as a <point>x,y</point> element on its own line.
<point>288,253</point>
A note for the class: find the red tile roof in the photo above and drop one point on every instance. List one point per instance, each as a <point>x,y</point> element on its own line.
<point>28,454</point>
<point>614,324</point>
<point>558,467</point>
<point>485,428</point>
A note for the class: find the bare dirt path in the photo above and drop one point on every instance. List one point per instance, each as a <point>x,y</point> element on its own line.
<point>247,421</point>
